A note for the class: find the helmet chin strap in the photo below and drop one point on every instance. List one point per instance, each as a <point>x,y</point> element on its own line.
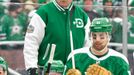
<point>100,51</point>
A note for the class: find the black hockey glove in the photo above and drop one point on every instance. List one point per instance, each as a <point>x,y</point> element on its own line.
<point>32,71</point>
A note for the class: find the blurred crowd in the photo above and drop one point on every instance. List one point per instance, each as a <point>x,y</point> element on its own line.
<point>15,16</point>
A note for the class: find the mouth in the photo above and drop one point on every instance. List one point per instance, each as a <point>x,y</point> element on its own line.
<point>97,43</point>
<point>98,46</point>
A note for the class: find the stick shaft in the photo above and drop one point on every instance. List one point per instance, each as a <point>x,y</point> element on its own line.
<point>72,48</point>
<point>48,69</point>
<point>50,59</point>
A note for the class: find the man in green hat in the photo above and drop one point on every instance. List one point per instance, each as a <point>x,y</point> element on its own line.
<point>3,67</point>
<point>98,59</point>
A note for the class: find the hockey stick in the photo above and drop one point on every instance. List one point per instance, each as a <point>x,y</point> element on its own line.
<point>50,59</point>
<point>72,48</point>
<point>71,38</point>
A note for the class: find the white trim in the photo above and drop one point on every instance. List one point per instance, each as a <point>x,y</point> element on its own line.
<point>98,59</point>
<point>46,52</point>
<point>81,50</point>
<point>71,5</point>
<point>117,54</point>
<point>11,42</point>
<point>87,42</point>
<point>58,6</point>
<point>86,51</point>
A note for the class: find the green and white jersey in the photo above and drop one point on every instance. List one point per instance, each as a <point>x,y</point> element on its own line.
<point>113,61</point>
<point>131,29</point>
<point>2,34</point>
<point>51,24</point>
<point>117,30</point>
<point>13,28</point>
<point>2,13</point>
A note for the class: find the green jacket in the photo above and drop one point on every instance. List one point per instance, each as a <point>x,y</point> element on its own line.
<point>51,25</point>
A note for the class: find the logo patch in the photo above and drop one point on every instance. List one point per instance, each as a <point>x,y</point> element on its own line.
<point>16,29</point>
<point>79,23</point>
<point>30,29</point>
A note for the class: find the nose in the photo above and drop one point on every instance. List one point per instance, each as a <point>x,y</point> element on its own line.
<point>97,38</point>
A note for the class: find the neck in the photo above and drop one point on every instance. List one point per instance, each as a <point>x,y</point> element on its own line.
<point>99,53</point>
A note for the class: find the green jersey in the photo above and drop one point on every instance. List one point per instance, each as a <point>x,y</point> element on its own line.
<point>2,13</point>
<point>131,29</point>
<point>117,32</point>
<point>113,61</point>
<point>13,28</point>
<point>51,24</point>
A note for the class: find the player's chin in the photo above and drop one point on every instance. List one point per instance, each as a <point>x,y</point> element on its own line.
<point>99,48</point>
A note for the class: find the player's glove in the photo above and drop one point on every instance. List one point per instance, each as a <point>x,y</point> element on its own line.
<point>32,71</point>
<point>95,69</point>
<point>73,72</point>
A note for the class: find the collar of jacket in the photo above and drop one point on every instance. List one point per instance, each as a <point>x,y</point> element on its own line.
<point>61,8</point>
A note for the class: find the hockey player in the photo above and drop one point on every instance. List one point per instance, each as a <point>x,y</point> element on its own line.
<point>98,59</point>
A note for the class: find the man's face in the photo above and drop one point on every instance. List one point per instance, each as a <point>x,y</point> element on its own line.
<point>64,3</point>
<point>100,40</point>
<point>88,4</point>
<point>14,13</point>
<point>108,6</point>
